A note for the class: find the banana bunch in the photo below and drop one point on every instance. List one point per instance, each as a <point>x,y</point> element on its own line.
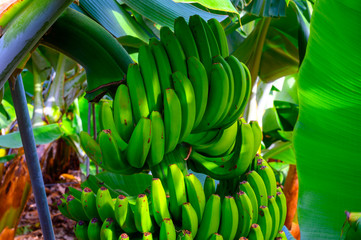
<point>183,210</point>
<point>185,89</point>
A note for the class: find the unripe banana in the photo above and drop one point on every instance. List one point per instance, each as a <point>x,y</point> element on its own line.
<point>259,187</point>
<point>105,204</point>
<point>245,211</point>
<point>156,151</point>
<point>88,201</point>
<point>257,133</point>
<point>269,179</point>
<point>243,238</point>
<point>220,36</point>
<point>174,50</point>
<point>185,38</point>
<point>211,39</point>
<point>94,228</point>
<point>185,235</point>
<point>211,218</point>
<point>216,236</point>
<point>265,221</point>
<point>197,74</point>
<point>123,236</point>
<point>124,215</point>
<point>209,187</point>
<point>281,235</point>
<point>255,233</point>
<point>147,236</point>
<point>246,187</point>
<point>139,143</point>
<point>282,206</point>
<point>137,92</point>
<point>123,113</point>
<point>61,203</point>
<point>149,72</point>
<point>81,230</point>
<point>189,218</point>
<point>177,191</point>
<point>184,90</point>
<point>172,119</point>
<point>75,209</point>
<point>275,215</point>
<point>91,148</point>
<point>195,194</point>
<point>167,230</point>
<point>229,218</point>
<point>108,230</point>
<point>143,221</point>
<point>159,201</point>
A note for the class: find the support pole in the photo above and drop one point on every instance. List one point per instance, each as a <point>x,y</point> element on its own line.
<point>31,156</point>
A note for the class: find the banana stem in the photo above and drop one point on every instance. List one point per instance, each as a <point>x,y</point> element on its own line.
<point>87,161</point>
<point>32,160</point>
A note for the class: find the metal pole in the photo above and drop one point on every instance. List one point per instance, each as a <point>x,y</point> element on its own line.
<point>31,156</point>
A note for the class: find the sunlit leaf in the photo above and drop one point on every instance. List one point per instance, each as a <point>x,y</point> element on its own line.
<point>7,158</point>
<point>43,134</point>
<point>282,151</point>
<point>220,5</point>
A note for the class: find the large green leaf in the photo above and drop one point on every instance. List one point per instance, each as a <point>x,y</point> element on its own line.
<point>164,12</point>
<point>220,5</point>
<point>327,137</point>
<point>42,134</point>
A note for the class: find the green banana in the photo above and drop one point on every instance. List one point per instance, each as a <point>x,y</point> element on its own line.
<point>81,230</point>
<point>255,233</point>
<point>167,230</point>
<point>137,92</point>
<point>229,218</point>
<point>197,74</point>
<point>219,145</point>
<point>265,221</point>
<point>159,201</point>
<point>172,119</point>
<point>124,215</point>
<point>91,148</point>
<point>246,187</point>
<point>185,235</point>
<point>184,89</point>
<point>108,230</point>
<point>281,235</point>
<point>185,38</point>
<point>105,204</point>
<point>269,179</point>
<point>107,121</point>
<point>221,60</point>
<point>213,45</point>
<point>189,218</point>
<point>174,50</point>
<point>282,206</point>
<point>243,238</point>
<point>88,201</point>
<point>218,88</point>
<point>275,215</point>
<point>156,151</point>
<point>239,162</point>
<point>139,143</point>
<point>200,36</point>
<point>220,36</point>
<point>123,113</point>
<point>216,236</point>
<point>94,228</point>
<point>147,236</point>
<point>211,218</point>
<point>195,194</point>
<point>201,138</point>
<point>149,72</point>
<point>242,88</point>
<point>209,187</point>
<point>257,133</point>
<point>61,203</point>
<point>177,191</point>
<point>143,221</point>
<point>75,209</point>
<point>259,187</point>
<point>124,236</point>
<point>245,211</point>
<point>163,65</point>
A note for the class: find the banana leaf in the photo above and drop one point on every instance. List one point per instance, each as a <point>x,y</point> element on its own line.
<point>327,137</point>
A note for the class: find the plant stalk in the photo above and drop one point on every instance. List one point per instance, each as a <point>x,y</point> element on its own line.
<point>31,156</point>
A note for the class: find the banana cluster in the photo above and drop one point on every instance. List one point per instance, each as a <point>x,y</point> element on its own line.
<point>184,89</point>
<point>184,209</point>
